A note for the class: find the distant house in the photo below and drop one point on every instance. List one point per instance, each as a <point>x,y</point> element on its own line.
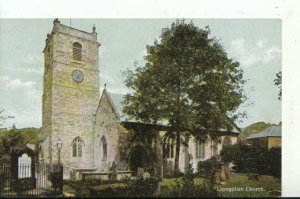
<point>267,138</point>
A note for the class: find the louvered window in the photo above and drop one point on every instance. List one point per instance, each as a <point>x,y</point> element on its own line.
<point>77,49</point>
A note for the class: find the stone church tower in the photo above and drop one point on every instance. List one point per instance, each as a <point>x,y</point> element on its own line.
<point>70,98</point>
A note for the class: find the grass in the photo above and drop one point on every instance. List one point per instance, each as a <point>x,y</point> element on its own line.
<point>241,181</point>
<point>270,188</point>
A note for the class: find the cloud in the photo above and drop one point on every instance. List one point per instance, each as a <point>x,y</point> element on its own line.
<point>271,54</point>
<point>20,99</point>
<point>19,83</point>
<point>260,43</point>
<point>31,64</point>
<point>249,54</point>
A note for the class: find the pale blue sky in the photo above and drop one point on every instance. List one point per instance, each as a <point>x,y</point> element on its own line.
<point>255,43</point>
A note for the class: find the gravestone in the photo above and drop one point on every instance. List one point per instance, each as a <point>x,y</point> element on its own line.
<point>113,170</point>
<point>140,172</point>
<point>146,175</point>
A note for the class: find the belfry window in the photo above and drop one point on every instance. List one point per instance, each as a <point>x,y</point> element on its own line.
<point>77,145</point>
<point>103,145</point>
<point>200,149</point>
<point>168,147</point>
<point>77,50</point>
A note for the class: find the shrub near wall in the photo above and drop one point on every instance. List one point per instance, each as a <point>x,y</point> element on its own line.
<point>249,159</point>
<point>186,186</point>
<point>208,168</point>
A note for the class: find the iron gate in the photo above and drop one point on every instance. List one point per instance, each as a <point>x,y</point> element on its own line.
<point>44,180</point>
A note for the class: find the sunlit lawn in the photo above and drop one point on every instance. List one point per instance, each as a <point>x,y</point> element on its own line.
<point>270,188</point>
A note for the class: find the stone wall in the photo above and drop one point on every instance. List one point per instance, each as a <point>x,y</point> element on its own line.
<point>68,106</point>
<point>274,142</point>
<point>107,125</point>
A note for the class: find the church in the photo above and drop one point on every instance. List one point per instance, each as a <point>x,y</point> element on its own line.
<point>85,129</point>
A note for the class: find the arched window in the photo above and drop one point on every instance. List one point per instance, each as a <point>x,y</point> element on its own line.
<point>77,48</point>
<point>200,149</point>
<point>103,145</point>
<point>77,145</point>
<point>226,141</point>
<point>168,147</point>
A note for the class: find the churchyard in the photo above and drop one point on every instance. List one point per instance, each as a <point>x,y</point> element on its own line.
<point>233,187</point>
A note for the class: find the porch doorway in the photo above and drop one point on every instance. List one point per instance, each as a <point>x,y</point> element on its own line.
<point>139,159</point>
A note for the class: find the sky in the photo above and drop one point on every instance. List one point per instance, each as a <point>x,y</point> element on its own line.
<point>255,43</point>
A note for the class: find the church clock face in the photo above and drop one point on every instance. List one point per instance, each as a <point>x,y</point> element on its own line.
<point>77,76</point>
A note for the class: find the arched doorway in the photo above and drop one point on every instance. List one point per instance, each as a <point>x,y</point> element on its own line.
<point>139,158</point>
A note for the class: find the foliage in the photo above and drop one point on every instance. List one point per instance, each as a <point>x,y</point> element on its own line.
<point>249,159</point>
<point>56,178</point>
<point>188,188</point>
<point>188,82</point>
<point>271,161</point>
<point>14,136</point>
<point>143,187</point>
<point>278,82</point>
<point>208,168</point>
<point>243,155</point>
<point>29,134</point>
<point>8,139</point>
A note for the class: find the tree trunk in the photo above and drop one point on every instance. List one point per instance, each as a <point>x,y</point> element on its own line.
<point>176,165</point>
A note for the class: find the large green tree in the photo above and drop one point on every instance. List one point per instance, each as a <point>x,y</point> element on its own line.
<point>189,82</point>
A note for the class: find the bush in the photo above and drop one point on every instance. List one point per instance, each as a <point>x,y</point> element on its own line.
<point>249,159</point>
<point>208,168</point>
<point>142,187</point>
<point>271,162</point>
<point>244,156</point>
<point>187,187</point>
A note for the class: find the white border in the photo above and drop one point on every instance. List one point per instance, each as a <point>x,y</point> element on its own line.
<point>288,11</point>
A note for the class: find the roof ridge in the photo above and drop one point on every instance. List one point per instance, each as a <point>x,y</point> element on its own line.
<point>112,104</point>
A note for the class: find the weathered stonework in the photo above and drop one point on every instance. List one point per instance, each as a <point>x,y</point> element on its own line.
<point>69,106</point>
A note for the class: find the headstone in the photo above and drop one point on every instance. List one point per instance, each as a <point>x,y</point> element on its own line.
<point>146,175</point>
<point>227,172</point>
<point>217,177</point>
<point>114,171</point>
<point>140,172</point>
<point>222,174</point>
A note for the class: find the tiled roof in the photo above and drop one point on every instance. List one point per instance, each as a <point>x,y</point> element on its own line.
<point>273,131</point>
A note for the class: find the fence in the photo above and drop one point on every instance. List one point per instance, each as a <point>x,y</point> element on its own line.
<point>28,180</point>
